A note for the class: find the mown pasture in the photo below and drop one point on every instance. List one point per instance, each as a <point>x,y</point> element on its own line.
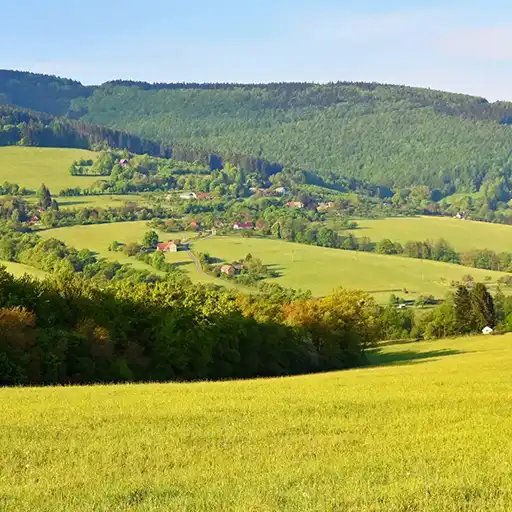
<point>321,270</point>
<point>31,166</point>
<point>98,237</point>
<point>463,235</point>
<point>428,428</point>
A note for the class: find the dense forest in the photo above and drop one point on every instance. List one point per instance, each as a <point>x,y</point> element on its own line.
<point>389,135</point>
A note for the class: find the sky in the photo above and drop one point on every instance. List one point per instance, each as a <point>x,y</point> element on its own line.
<point>454,45</point>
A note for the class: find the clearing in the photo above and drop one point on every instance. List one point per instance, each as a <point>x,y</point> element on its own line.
<point>428,429</point>
<point>31,166</point>
<point>461,234</point>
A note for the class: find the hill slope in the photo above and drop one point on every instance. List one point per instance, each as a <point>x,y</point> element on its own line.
<point>428,430</point>
<point>389,135</point>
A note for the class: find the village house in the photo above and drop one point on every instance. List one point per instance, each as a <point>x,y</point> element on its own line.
<point>188,195</point>
<point>232,269</point>
<point>229,270</point>
<point>204,196</point>
<point>243,225</point>
<point>326,206</point>
<point>123,162</point>
<point>35,219</point>
<point>169,246</point>
<point>295,204</point>
<point>281,190</point>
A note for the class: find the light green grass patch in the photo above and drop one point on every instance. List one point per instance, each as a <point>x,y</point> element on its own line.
<point>19,269</point>
<point>461,234</point>
<point>103,201</point>
<point>321,270</point>
<point>429,430</point>
<point>98,237</point>
<point>31,166</point>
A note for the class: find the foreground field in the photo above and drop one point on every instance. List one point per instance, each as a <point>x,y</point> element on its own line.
<point>462,234</point>
<point>321,270</point>
<point>427,430</point>
<point>31,166</point>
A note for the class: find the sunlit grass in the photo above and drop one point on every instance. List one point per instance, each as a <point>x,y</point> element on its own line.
<point>461,234</point>
<point>429,430</point>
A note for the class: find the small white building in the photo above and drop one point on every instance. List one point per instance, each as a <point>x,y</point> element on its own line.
<point>281,190</point>
<point>487,330</point>
<point>188,195</point>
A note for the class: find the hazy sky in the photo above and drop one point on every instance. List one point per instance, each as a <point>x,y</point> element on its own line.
<point>456,45</point>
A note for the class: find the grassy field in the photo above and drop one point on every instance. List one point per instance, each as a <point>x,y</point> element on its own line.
<point>18,270</point>
<point>428,429</point>
<point>301,266</point>
<point>98,237</point>
<point>104,201</point>
<point>31,166</point>
<point>462,235</point>
<point>320,270</point>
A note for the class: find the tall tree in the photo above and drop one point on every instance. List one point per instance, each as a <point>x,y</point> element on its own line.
<point>464,314</point>
<point>483,307</point>
<point>44,196</point>
<point>150,240</point>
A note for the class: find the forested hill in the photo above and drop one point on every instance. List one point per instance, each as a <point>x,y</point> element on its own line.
<point>389,135</point>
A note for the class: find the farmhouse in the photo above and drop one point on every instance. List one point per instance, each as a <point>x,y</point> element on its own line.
<point>243,225</point>
<point>204,196</point>
<point>281,190</point>
<point>232,269</point>
<point>229,270</point>
<point>169,246</point>
<point>326,206</point>
<point>188,195</point>
<point>295,204</point>
<point>35,219</point>
<point>123,162</point>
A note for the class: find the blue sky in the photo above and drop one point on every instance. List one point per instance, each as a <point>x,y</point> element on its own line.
<point>463,46</point>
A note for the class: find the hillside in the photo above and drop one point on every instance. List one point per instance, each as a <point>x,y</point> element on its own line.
<point>300,266</point>
<point>463,235</point>
<point>389,135</point>
<point>31,166</point>
<point>427,429</point>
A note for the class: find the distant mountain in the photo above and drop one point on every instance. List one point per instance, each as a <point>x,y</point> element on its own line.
<point>391,135</point>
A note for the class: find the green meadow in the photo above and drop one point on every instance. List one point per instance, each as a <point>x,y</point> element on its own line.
<point>103,201</point>
<point>426,429</point>
<point>97,238</point>
<point>19,270</point>
<point>321,270</point>
<point>31,166</point>
<point>300,266</point>
<point>461,234</point>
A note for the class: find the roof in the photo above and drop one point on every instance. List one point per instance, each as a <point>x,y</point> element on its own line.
<point>243,224</point>
<point>164,245</point>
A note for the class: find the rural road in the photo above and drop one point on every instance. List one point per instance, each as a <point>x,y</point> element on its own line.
<point>197,263</point>
<point>193,257</point>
